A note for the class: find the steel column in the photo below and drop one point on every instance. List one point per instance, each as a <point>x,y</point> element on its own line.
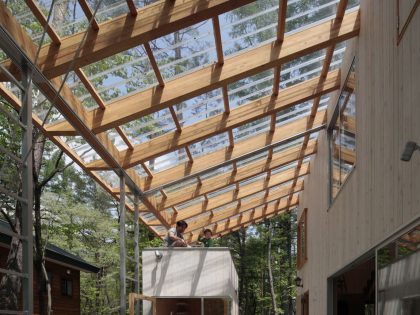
<point>27,192</point>
<point>123,303</point>
<point>136,253</point>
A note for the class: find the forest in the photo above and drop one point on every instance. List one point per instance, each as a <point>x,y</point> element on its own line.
<point>73,212</point>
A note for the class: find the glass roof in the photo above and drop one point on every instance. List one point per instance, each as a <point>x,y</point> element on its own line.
<point>177,54</point>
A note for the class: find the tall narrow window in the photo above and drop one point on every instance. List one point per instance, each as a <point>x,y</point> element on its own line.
<point>342,135</point>
<point>302,231</point>
<point>66,287</point>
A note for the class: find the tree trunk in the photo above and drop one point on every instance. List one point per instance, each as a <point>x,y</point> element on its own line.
<point>10,286</point>
<point>270,271</point>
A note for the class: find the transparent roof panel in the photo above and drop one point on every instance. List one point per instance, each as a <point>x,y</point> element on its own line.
<point>28,21</point>
<point>256,23</point>
<point>209,145</point>
<point>149,127</point>
<point>200,107</point>
<point>120,74</point>
<point>67,17</point>
<point>250,88</point>
<point>185,50</point>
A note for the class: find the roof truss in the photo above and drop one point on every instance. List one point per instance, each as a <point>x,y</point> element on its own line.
<point>247,190</point>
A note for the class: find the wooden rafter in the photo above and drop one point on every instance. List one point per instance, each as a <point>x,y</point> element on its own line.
<point>249,217</point>
<point>132,7</point>
<point>243,172</point>
<point>89,14</point>
<point>231,138</point>
<point>221,123</point>
<point>147,170</point>
<point>15,102</point>
<point>225,94</point>
<point>244,192</point>
<point>154,64</point>
<point>233,209</point>
<point>152,21</point>
<point>91,89</point>
<point>341,9</point>
<point>218,40</point>
<point>228,154</point>
<point>235,68</point>
<point>43,21</point>
<point>281,27</point>
<point>67,103</point>
<point>190,156</point>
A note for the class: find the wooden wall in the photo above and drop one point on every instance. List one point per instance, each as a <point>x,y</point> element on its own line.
<point>61,305</point>
<point>383,193</point>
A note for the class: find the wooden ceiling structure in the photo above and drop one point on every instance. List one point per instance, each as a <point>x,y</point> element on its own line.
<point>226,188</point>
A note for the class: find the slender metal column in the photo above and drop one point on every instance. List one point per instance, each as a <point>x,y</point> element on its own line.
<point>123,303</point>
<point>27,192</point>
<point>136,252</point>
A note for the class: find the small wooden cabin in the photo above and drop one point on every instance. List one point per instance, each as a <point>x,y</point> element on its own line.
<point>64,269</point>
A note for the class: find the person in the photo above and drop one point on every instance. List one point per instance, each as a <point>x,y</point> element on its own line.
<point>206,238</point>
<point>175,237</point>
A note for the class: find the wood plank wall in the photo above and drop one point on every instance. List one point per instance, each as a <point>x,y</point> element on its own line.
<point>383,193</point>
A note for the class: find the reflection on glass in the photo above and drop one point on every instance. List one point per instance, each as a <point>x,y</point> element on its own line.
<point>398,275</point>
<point>343,139</point>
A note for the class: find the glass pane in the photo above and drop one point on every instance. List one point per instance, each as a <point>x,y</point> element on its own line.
<point>343,136</point>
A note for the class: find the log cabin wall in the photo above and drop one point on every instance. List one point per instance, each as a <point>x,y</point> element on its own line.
<point>61,304</point>
<point>383,193</point>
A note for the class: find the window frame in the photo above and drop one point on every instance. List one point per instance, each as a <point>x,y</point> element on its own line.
<point>64,288</point>
<point>330,131</point>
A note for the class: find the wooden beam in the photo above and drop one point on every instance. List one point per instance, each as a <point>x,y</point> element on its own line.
<point>281,22</point>
<point>91,89</point>
<point>212,77</point>
<point>67,103</point>
<point>154,64</point>
<point>244,172</point>
<point>342,5</point>
<point>175,119</point>
<point>221,123</point>
<point>132,7</point>
<point>226,99</point>
<point>281,27</point>
<point>232,210</point>
<point>250,216</point>
<point>16,103</point>
<point>43,21</point>
<point>124,138</point>
<point>218,40</point>
<point>231,138</point>
<point>202,163</point>
<point>89,14</point>
<point>188,152</point>
<point>228,199</point>
<point>127,31</point>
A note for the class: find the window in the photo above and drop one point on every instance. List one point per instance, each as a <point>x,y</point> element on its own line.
<point>342,136</point>
<point>67,287</point>
<point>302,231</point>
<point>397,274</point>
